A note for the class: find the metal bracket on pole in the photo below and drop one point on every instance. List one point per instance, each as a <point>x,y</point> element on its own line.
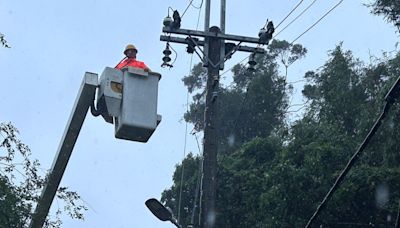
<point>202,43</point>
<point>211,34</point>
<point>85,98</point>
<point>205,59</point>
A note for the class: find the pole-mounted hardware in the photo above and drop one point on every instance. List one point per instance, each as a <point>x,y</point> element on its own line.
<point>266,32</point>
<point>174,22</point>
<point>166,59</point>
<point>192,43</point>
<point>252,62</point>
<point>214,47</point>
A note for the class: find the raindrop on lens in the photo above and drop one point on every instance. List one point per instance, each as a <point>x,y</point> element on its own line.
<point>382,195</point>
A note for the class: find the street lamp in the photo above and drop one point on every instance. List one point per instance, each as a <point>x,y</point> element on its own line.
<point>161,212</point>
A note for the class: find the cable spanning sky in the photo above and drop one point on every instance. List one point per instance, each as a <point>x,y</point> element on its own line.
<point>53,43</point>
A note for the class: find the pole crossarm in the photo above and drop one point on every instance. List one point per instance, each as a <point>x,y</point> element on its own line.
<point>211,34</point>
<point>185,41</point>
<point>201,43</point>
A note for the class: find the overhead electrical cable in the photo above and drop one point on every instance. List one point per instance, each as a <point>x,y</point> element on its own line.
<point>390,98</point>
<point>176,54</point>
<point>197,7</point>
<point>186,125</point>
<point>312,26</point>
<point>298,16</point>
<point>184,153</point>
<point>198,184</point>
<point>234,65</point>
<point>298,4</point>
<point>191,4</point>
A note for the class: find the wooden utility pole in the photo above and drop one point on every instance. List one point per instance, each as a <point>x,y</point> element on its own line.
<point>213,56</point>
<point>210,134</point>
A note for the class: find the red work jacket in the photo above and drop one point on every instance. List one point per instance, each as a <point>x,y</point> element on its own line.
<point>131,62</point>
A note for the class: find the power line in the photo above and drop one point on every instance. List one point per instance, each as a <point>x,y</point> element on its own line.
<point>197,7</point>
<point>176,54</point>
<point>198,184</point>
<point>291,23</point>
<point>326,14</point>
<point>305,10</point>
<point>298,4</point>
<point>191,4</point>
<point>234,65</point>
<point>186,126</point>
<point>184,150</point>
<point>390,98</point>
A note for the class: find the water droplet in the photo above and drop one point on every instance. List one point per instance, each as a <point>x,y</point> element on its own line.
<point>231,140</point>
<point>211,218</point>
<point>382,195</point>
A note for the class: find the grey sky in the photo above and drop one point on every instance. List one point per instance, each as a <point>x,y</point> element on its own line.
<point>55,42</point>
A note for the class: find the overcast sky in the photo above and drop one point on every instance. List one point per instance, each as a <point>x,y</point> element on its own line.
<point>53,43</point>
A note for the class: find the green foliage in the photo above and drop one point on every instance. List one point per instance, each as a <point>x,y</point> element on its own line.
<point>390,9</point>
<point>3,41</point>
<point>286,53</point>
<point>345,100</point>
<point>243,178</point>
<point>21,184</point>
<point>190,185</point>
<point>269,179</point>
<point>256,103</point>
<point>12,210</point>
<point>335,89</point>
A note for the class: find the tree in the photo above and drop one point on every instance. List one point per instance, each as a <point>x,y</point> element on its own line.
<point>244,178</point>
<point>21,184</point>
<point>390,9</point>
<point>12,209</point>
<point>336,90</point>
<point>3,41</point>
<point>190,188</point>
<point>346,98</point>
<point>254,105</point>
<point>278,180</point>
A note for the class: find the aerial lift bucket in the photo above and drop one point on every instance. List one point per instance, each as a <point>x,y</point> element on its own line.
<point>128,98</point>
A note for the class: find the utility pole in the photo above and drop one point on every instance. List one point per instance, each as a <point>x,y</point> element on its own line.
<point>210,133</point>
<point>213,55</point>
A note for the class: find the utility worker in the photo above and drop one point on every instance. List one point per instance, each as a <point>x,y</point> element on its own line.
<point>130,59</point>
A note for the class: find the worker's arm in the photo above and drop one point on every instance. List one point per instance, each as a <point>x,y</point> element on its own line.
<point>146,68</point>
<point>121,64</point>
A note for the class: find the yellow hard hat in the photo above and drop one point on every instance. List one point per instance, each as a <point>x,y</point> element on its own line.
<point>130,47</point>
